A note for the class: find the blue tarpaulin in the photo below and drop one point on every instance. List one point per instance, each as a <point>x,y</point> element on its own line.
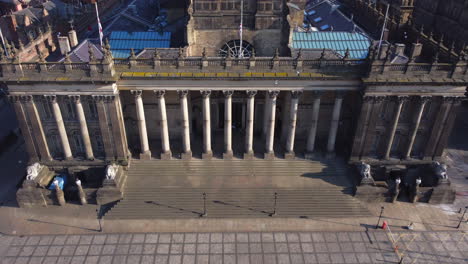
<point>62,180</point>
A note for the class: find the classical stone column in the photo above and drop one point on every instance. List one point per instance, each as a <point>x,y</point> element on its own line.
<point>145,151</point>
<point>185,124</point>
<point>61,127</point>
<point>207,152</point>
<point>83,126</point>
<point>400,101</point>
<point>334,124</point>
<point>105,124</point>
<point>22,117</point>
<point>37,130</point>
<point>361,128</point>
<point>292,124</point>
<point>422,103</point>
<point>270,137</point>
<point>249,153</point>
<point>228,124</point>
<point>165,143</point>
<point>447,127</point>
<point>313,128</point>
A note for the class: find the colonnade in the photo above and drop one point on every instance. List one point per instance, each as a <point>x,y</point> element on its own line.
<point>249,136</point>
<point>372,109</point>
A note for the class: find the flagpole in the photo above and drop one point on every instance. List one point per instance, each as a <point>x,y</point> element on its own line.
<point>241,55</point>
<point>383,29</point>
<point>99,23</point>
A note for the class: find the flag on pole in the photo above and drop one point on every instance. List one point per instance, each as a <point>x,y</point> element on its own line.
<point>101,34</point>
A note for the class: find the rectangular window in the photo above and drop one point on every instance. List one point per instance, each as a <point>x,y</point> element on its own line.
<point>47,109</point>
<point>93,113</point>
<point>70,108</point>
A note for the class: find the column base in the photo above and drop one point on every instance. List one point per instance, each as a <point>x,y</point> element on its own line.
<point>146,155</point>
<point>90,158</point>
<point>207,155</point>
<point>68,158</point>
<point>269,156</point>
<point>228,155</point>
<point>166,155</point>
<point>330,155</point>
<point>289,155</point>
<point>249,155</point>
<point>187,155</point>
<point>312,155</point>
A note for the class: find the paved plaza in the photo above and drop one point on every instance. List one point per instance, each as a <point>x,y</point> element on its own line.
<point>255,247</point>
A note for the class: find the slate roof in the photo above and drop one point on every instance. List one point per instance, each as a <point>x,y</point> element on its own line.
<point>80,53</point>
<point>122,42</point>
<point>325,16</point>
<point>33,13</point>
<point>357,43</point>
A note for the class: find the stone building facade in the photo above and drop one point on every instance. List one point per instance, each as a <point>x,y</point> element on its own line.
<point>83,117</point>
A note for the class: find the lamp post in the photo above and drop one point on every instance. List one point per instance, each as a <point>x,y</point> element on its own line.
<point>463,217</point>
<point>274,206</point>
<point>380,216</point>
<point>204,206</point>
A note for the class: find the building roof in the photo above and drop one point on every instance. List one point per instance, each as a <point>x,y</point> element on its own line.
<point>35,14</point>
<point>122,42</point>
<point>325,16</point>
<point>81,52</point>
<point>357,43</point>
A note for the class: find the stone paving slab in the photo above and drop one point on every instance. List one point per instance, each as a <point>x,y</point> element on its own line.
<point>255,247</point>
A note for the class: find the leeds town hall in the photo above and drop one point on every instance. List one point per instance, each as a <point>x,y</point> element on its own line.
<point>329,101</point>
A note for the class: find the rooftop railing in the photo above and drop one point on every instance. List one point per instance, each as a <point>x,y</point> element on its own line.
<point>248,67</point>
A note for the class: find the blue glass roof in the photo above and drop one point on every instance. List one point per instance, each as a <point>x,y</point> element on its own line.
<point>357,43</point>
<point>121,42</point>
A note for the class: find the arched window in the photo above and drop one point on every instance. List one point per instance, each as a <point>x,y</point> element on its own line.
<point>234,48</point>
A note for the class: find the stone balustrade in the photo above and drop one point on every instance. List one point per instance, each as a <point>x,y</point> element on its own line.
<point>219,67</point>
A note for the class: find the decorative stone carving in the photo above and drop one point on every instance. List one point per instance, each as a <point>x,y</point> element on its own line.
<point>273,93</point>
<point>228,93</point>
<point>182,93</point>
<point>205,93</point>
<point>111,171</point>
<point>440,170</point>
<point>251,93</point>
<point>33,171</point>
<point>159,93</point>
<point>365,172</point>
<point>296,94</point>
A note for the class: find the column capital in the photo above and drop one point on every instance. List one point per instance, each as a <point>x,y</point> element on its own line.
<point>228,93</point>
<point>251,93</point>
<point>136,93</point>
<point>379,99</point>
<point>296,94</point>
<point>452,99</point>
<point>159,93</point>
<point>51,98</point>
<point>75,98</point>
<point>205,93</point>
<point>339,94</point>
<point>103,98</point>
<point>401,99</point>
<point>20,98</point>
<point>182,93</point>
<point>273,93</point>
<point>424,99</point>
<point>317,93</point>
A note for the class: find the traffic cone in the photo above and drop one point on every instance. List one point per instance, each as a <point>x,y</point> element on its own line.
<point>384,225</point>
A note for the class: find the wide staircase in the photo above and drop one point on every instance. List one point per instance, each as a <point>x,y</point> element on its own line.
<point>236,189</point>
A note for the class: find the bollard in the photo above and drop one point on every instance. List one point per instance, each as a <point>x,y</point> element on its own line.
<point>384,225</point>
<point>59,194</point>
<point>81,192</point>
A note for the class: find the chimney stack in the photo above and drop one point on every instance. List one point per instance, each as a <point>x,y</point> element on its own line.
<point>73,38</point>
<point>64,45</point>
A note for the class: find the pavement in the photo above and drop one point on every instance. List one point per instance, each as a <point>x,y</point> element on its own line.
<point>240,247</point>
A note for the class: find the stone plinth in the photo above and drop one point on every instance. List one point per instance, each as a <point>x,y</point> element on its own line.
<point>289,155</point>
<point>371,194</point>
<point>249,156</point>
<point>187,155</point>
<point>166,155</point>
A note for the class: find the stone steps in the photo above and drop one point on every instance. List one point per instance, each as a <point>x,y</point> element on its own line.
<point>236,189</point>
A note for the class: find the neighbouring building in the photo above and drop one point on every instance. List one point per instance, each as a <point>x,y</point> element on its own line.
<point>285,93</point>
